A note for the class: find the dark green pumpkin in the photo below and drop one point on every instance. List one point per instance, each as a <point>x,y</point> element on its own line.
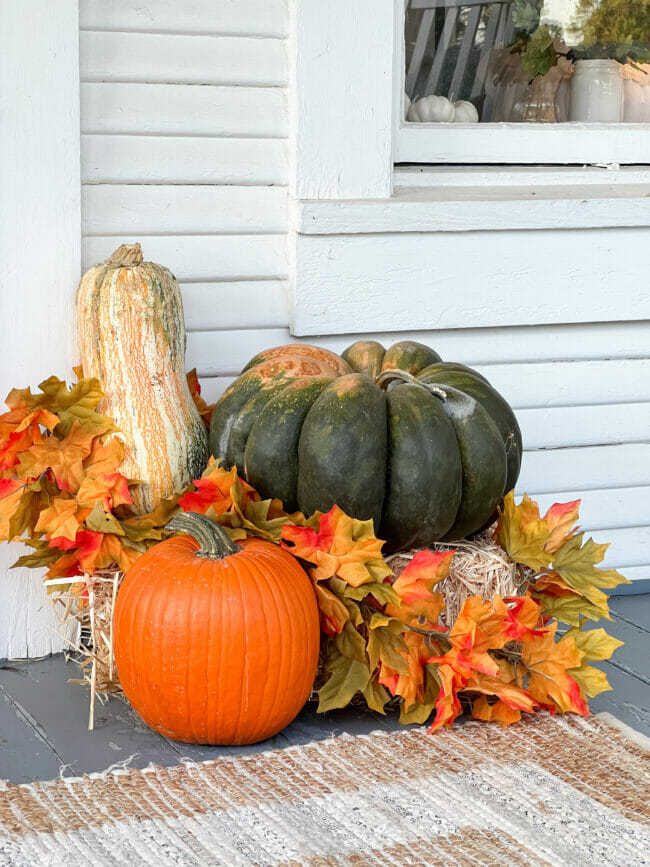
<point>424,448</point>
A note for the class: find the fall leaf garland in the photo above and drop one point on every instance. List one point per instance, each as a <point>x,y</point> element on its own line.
<point>62,493</point>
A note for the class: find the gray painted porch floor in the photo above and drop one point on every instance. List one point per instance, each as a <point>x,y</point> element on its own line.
<point>43,718</point>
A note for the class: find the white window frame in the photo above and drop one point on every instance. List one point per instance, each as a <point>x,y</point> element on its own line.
<point>518,143</point>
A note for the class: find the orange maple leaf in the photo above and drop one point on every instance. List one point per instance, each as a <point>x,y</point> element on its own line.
<point>62,518</point>
<point>11,493</point>
<point>110,489</point>
<point>20,431</point>
<point>64,457</point>
<point>561,520</point>
<point>509,693</point>
<point>205,411</point>
<point>547,662</point>
<point>333,613</point>
<point>215,491</point>
<point>106,456</point>
<point>499,711</point>
<point>340,546</point>
<point>522,617</point>
<point>447,705</point>
<point>419,605</point>
<point>90,551</point>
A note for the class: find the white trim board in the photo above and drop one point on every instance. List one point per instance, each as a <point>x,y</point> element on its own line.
<point>411,281</point>
<point>465,209</point>
<point>567,143</point>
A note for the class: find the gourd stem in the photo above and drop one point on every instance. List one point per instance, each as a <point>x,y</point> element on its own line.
<point>387,376</point>
<point>214,541</point>
<point>126,256</point>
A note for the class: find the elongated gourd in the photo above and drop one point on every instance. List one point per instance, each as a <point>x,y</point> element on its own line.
<point>131,336</point>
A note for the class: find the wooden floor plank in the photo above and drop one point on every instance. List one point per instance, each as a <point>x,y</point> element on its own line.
<point>22,748</point>
<point>633,609</point>
<point>60,708</point>
<point>43,718</point>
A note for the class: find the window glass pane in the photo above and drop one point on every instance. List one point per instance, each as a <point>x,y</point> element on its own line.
<point>533,61</point>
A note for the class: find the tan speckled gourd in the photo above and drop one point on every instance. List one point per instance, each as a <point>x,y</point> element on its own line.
<point>131,336</point>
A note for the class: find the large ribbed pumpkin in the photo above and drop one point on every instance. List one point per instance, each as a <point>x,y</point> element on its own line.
<point>131,336</point>
<point>216,644</point>
<point>423,447</point>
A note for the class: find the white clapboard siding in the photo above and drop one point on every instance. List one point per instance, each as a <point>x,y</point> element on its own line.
<point>556,427</point>
<point>584,469</point>
<point>148,159</point>
<point>172,59</point>
<point>201,257</point>
<point>489,346</point>
<point>570,383</point>
<point>240,17</point>
<point>600,509</point>
<point>627,546</point>
<point>113,209</point>
<point>183,109</point>
<point>223,305</point>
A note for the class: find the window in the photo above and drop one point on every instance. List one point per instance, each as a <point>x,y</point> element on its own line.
<point>523,81</point>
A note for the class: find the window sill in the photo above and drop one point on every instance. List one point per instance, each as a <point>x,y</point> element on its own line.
<point>481,208</point>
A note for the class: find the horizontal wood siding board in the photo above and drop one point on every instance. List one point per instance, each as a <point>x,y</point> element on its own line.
<point>634,574</point>
<point>612,340</point>
<point>202,257</point>
<point>241,305</point>
<point>212,387</point>
<point>573,383</point>
<point>112,209</point>
<point>244,17</point>
<point>629,546</point>
<point>149,159</point>
<point>556,427</point>
<point>584,469</point>
<point>524,385</point>
<point>173,59</point>
<point>183,109</point>
<point>410,281</point>
<point>604,508</point>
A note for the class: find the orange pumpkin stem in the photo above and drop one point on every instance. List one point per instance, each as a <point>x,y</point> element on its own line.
<point>215,543</point>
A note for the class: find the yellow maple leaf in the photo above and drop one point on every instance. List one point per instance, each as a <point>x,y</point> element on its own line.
<point>523,533</point>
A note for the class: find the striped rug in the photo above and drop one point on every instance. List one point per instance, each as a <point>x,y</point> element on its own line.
<point>555,791</point>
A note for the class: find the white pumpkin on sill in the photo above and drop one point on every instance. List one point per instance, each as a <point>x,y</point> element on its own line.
<point>438,109</point>
<point>431,109</point>
<point>465,112</point>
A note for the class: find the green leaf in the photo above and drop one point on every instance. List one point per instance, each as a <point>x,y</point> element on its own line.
<point>383,593</point>
<point>101,521</point>
<point>384,646</point>
<point>43,556</point>
<point>375,695</point>
<point>571,609</point>
<point>416,714</point>
<point>347,678</point>
<point>526,15</point>
<point>350,644</point>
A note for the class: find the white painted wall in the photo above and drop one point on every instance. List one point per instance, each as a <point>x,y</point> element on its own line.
<point>39,249</point>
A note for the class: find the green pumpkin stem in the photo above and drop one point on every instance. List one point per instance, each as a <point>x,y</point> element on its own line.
<point>387,376</point>
<point>214,541</point>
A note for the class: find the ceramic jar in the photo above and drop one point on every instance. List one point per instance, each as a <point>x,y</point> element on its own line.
<point>596,92</point>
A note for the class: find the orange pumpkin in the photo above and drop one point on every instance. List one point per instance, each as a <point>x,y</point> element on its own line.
<point>216,642</point>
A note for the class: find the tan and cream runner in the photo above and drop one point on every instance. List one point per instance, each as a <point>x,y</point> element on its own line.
<point>551,790</point>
